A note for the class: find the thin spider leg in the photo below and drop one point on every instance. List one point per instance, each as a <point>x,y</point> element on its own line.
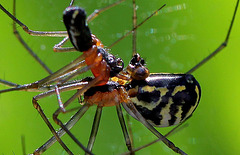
<point>72,2</point>
<point>49,89</point>
<point>39,109</point>
<point>37,33</point>
<point>71,73</point>
<point>129,125</point>
<point>79,71</point>
<point>32,32</point>
<point>157,140</point>
<point>72,136</point>
<point>124,129</point>
<point>8,83</point>
<point>134,33</point>
<point>95,127</point>
<point>61,106</point>
<point>59,122</point>
<point>77,63</point>
<point>74,119</point>
<point>69,87</point>
<point>59,99</point>
<point>58,47</point>
<point>76,72</point>
<point>221,46</point>
<point>99,11</point>
<point>72,85</point>
<point>70,100</point>
<point>140,118</point>
<point>131,31</point>
<point>23,145</point>
<point>57,76</point>
<point>77,94</point>
<point>25,87</point>
<point>20,39</point>
<point>134,52</point>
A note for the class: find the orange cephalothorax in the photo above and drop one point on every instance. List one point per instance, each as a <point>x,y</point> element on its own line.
<point>106,95</point>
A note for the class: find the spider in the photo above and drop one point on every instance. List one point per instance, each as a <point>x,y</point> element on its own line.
<point>158,67</point>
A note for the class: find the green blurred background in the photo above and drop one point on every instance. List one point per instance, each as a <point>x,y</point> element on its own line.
<point>181,35</point>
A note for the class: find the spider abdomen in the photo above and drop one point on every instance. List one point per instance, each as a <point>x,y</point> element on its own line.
<point>165,99</point>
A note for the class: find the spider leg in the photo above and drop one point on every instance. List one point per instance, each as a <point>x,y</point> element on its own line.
<point>134,33</point>
<point>71,99</point>
<point>59,122</point>
<point>95,127</point>
<point>39,109</point>
<point>32,32</point>
<point>23,145</point>
<point>8,83</point>
<point>131,109</point>
<point>30,88</point>
<point>58,47</point>
<point>71,3</point>
<point>134,51</point>
<point>152,129</point>
<point>71,68</point>
<point>74,119</point>
<point>97,12</point>
<point>38,33</point>
<point>157,140</point>
<point>76,64</point>
<point>25,45</point>
<point>92,59</point>
<point>220,47</point>
<point>129,32</point>
<point>59,99</point>
<point>129,127</point>
<point>64,127</point>
<point>124,129</point>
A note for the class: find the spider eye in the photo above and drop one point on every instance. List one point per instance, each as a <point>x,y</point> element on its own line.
<point>142,62</point>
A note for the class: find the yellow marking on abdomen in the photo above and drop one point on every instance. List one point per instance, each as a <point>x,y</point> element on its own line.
<point>178,89</point>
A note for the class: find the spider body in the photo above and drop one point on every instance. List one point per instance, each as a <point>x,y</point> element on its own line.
<point>165,99</point>
<point>152,60</point>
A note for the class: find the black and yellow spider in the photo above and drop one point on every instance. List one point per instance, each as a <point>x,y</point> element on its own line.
<point>165,37</point>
